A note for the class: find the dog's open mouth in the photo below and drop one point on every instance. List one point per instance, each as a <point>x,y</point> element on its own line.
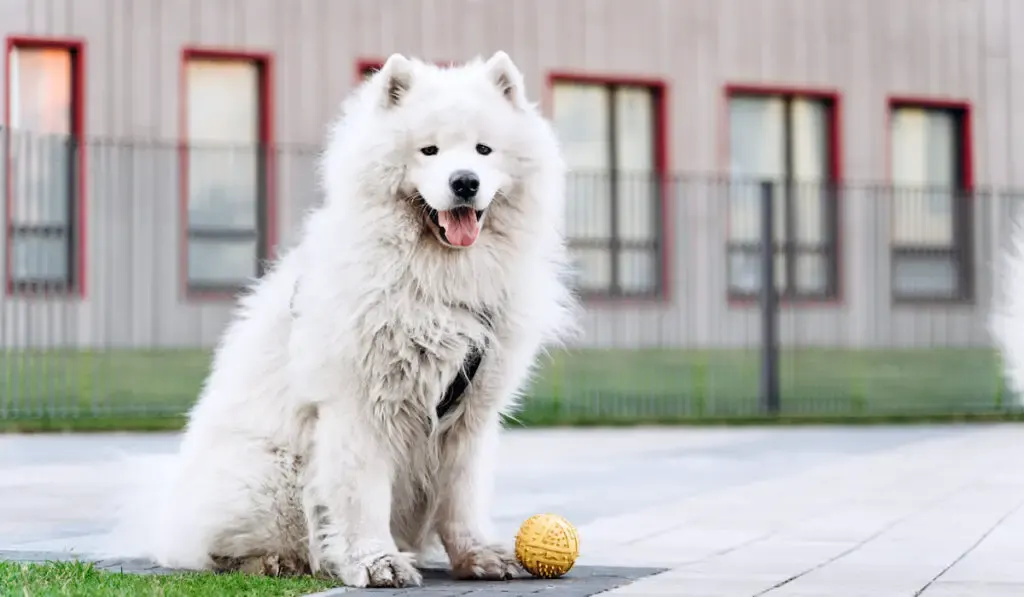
<point>459,227</point>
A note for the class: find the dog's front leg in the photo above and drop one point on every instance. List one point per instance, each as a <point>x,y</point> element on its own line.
<point>348,504</point>
<point>463,520</point>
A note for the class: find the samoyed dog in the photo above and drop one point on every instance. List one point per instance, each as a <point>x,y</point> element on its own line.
<point>351,416</point>
<point>1006,321</point>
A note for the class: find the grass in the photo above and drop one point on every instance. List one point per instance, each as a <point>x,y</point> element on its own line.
<point>77,579</point>
<point>151,389</point>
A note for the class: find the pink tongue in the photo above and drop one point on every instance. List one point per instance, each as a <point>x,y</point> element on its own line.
<point>460,226</point>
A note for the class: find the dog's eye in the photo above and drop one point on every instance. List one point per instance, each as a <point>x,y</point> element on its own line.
<point>482,149</point>
<point>429,150</point>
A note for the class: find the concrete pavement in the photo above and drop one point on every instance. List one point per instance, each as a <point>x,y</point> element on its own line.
<point>784,512</point>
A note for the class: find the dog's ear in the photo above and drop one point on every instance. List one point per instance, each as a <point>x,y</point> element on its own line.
<point>504,74</point>
<point>397,76</point>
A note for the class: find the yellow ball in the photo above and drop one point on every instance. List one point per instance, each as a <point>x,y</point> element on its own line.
<point>547,545</point>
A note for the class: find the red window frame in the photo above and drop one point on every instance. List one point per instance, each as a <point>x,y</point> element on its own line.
<point>664,233</point>
<point>268,213</point>
<point>962,248</point>
<point>75,284</point>
<point>834,287</point>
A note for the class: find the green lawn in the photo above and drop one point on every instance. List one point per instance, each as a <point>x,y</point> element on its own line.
<point>576,386</point>
<point>74,579</point>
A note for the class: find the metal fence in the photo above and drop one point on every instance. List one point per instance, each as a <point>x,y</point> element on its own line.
<point>121,261</point>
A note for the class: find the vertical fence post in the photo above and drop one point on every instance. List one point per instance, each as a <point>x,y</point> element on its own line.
<point>769,305</point>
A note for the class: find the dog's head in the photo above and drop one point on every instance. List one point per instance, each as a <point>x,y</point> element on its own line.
<point>457,147</point>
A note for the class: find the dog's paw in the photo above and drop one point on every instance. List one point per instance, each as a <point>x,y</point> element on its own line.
<point>388,570</point>
<point>487,562</point>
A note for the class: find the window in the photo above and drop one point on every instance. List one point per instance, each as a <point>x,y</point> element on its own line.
<point>43,149</point>
<point>788,140</point>
<point>226,171</point>
<point>930,203</point>
<point>609,135</point>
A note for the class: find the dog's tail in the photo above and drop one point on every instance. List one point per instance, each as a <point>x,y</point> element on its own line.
<point>1006,322</point>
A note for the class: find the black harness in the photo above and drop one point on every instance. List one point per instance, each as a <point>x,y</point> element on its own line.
<point>453,394</point>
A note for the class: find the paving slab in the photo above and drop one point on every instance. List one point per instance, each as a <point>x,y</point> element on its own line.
<point>894,511</point>
<point>582,581</point>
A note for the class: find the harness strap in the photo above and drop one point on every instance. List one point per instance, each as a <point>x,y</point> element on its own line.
<point>453,394</point>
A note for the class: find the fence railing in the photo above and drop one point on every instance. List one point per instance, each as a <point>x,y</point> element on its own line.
<point>120,263</point>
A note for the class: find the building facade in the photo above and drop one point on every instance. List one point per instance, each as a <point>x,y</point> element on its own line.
<point>157,151</point>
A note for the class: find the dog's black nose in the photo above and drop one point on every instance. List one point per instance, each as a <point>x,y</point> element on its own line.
<point>464,184</point>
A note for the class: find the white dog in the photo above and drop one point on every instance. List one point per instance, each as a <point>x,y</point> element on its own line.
<point>1006,322</point>
<point>319,443</point>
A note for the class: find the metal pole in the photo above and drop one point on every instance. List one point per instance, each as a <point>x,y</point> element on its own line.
<point>769,306</point>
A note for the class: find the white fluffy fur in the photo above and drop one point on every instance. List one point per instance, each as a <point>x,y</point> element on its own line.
<point>315,443</point>
<point>1006,323</point>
